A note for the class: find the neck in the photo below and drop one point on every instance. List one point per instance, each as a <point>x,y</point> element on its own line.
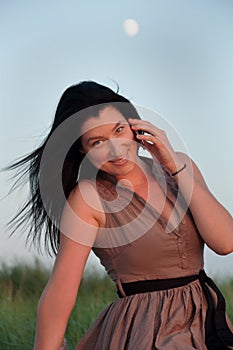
<point>138,177</point>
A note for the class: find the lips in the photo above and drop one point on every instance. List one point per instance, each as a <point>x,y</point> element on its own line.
<point>120,161</point>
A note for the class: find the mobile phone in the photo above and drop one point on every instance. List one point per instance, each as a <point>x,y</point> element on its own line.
<point>139,132</point>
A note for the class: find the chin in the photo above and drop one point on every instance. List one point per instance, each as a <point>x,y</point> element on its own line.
<point>121,171</point>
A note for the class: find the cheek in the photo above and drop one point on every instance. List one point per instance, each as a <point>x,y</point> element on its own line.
<point>132,138</point>
<point>97,156</point>
<point>130,134</point>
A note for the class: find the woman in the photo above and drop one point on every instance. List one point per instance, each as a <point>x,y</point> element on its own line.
<point>146,219</point>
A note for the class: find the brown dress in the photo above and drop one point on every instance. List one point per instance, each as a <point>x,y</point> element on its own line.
<point>135,246</point>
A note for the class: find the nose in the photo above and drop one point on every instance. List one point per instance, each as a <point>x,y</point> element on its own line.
<point>115,149</point>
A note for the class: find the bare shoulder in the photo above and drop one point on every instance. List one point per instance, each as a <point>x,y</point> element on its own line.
<point>85,200</point>
<point>192,167</point>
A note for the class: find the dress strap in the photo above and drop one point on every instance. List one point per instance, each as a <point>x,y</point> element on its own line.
<point>218,334</point>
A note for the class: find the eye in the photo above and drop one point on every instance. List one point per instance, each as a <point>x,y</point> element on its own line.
<point>119,130</point>
<point>97,143</point>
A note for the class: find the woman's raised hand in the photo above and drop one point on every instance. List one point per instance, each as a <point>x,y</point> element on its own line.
<point>156,142</point>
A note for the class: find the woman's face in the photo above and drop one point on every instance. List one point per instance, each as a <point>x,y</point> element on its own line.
<point>109,143</point>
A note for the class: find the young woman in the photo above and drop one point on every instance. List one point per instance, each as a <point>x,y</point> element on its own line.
<point>147,219</point>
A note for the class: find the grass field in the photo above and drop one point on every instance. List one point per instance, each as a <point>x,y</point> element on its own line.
<point>20,288</point>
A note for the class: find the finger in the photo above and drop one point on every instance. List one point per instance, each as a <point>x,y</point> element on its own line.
<point>152,143</point>
<point>148,138</point>
<point>137,121</point>
<point>145,126</point>
<point>140,124</point>
<point>152,149</point>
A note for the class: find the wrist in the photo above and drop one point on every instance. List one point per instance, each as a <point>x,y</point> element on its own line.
<point>179,169</point>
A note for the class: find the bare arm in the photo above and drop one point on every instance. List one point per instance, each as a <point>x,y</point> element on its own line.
<point>213,221</point>
<point>59,296</point>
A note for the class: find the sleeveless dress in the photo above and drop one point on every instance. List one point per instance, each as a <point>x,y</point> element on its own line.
<point>135,246</point>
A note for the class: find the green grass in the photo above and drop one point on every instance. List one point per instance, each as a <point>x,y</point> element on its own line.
<point>20,289</point>
<point>227,290</point>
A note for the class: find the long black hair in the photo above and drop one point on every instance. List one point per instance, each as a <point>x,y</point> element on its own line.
<point>42,211</point>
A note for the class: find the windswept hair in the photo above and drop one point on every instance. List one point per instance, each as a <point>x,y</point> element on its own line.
<point>42,215</point>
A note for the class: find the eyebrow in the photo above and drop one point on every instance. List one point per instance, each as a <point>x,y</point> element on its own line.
<point>99,137</point>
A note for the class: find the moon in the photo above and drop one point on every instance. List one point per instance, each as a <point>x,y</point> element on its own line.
<point>131,27</point>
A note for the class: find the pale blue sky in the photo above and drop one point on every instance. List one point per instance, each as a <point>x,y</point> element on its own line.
<point>179,64</point>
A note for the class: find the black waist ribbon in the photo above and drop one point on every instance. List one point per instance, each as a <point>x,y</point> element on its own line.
<point>218,335</point>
